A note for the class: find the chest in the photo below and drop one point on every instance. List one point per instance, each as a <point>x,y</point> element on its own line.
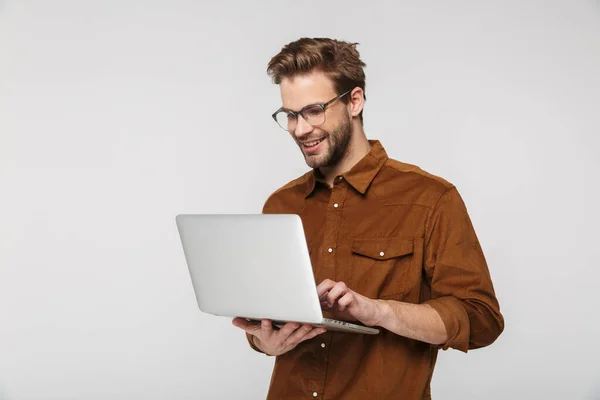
<point>376,249</point>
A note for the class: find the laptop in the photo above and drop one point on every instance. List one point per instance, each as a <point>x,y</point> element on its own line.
<point>254,266</point>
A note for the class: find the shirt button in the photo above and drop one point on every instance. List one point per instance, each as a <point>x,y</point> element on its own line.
<point>382,254</point>
<point>330,250</point>
<point>336,205</point>
<point>315,394</point>
<point>323,345</point>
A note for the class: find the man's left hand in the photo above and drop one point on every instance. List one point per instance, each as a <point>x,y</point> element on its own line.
<point>347,305</point>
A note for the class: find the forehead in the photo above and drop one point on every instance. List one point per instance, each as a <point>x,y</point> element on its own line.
<point>300,90</point>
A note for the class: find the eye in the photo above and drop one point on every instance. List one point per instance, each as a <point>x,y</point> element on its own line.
<point>313,111</point>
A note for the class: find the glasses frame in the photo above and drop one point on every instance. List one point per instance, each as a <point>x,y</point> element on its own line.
<point>323,107</point>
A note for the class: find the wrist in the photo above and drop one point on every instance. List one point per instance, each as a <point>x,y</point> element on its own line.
<point>258,344</point>
<point>383,312</point>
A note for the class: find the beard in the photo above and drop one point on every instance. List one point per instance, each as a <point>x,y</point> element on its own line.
<point>337,143</point>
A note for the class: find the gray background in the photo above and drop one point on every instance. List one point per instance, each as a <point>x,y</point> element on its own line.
<point>117,115</point>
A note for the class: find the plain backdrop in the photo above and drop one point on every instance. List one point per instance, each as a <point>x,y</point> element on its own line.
<point>117,115</point>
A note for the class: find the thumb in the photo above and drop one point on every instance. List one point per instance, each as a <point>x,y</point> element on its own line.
<point>249,327</point>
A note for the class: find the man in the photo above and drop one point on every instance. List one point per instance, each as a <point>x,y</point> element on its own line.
<point>392,246</point>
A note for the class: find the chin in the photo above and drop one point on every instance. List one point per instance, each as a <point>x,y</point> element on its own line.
<point>316,161</point>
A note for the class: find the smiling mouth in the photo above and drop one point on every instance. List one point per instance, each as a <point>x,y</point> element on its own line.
<point>313,143</point>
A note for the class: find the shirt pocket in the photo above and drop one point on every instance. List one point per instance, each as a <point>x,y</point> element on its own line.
<point>385,267</point>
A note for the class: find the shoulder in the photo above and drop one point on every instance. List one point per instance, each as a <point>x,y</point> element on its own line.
<point>289,197</point>
<point>402,183</point>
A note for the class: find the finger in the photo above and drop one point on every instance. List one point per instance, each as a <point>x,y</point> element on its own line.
<point>324,305</point>
<point>339,290</point>
<point>285,331</point>
<point>345,301</point>
<point>248,326</point>
<point>323,297</point>
<point>325,287</point>
<point>266,326</point>
<point>313,333</point>
<point>297,335</point>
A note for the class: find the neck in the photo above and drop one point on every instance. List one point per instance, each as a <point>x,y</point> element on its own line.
<point>358,147</point>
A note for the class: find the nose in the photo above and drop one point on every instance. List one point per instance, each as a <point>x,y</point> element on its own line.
<point>303,128</point>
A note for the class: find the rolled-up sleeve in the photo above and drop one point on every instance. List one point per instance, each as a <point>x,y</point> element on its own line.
<point>462,291</point>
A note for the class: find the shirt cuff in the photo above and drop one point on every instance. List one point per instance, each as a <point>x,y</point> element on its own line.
<point>456,321</point>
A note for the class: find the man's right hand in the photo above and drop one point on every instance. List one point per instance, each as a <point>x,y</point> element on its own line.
<point>275,342</point>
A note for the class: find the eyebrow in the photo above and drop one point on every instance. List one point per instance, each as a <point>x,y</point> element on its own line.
<point>310,104</point>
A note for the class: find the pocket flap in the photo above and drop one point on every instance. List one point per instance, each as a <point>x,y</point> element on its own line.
<point>383,248</point>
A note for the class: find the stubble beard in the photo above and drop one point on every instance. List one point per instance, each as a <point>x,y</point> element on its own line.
<point>338,142</point>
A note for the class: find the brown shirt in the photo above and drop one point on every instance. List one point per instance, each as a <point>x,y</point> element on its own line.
<point>389,230</point>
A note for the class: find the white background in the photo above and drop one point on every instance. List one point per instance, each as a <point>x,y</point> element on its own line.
<point>117,115</point>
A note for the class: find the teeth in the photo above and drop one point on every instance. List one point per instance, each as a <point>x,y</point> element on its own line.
<point>311,144</point>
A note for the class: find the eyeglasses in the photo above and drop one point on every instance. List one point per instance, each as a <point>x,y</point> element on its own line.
<point>314,114</point>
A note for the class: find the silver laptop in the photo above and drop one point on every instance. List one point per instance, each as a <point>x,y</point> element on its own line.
<point>254,266</point>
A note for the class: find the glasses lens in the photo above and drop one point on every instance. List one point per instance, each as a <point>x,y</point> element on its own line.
<point>314,115</point>
<point>286,121</point>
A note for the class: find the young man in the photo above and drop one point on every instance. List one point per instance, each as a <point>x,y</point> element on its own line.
<point>392,246</point>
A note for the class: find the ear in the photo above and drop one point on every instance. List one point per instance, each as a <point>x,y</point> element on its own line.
<point>357,101</point>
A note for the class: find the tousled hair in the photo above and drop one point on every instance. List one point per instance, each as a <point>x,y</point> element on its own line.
<point>339,60</point>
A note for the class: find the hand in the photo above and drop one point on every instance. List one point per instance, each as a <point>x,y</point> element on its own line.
<point>275,342</point>
<point>347,305</point>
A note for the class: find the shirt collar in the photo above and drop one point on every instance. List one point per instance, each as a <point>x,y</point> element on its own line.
<point>360,175</point>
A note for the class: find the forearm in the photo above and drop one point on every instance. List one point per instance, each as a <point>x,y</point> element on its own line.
<point>414,321</point>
